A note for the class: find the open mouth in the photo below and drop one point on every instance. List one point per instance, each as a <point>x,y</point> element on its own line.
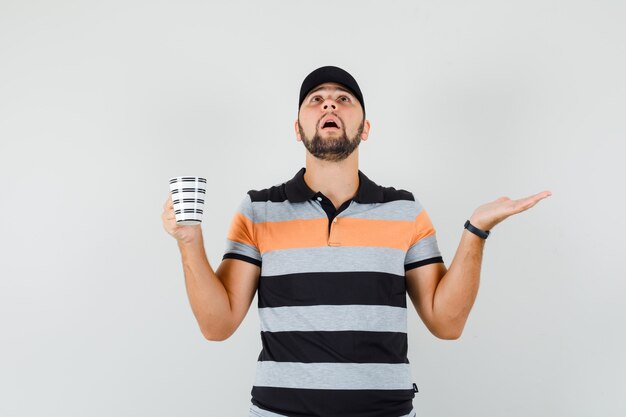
<point>330,124</point>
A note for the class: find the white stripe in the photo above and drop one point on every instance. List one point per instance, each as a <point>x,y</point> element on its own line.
<point>334,259</point>
<point>373,318</point>
<point>388,376</point>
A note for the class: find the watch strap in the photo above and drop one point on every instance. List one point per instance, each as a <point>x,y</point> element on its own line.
<point>475,230</point>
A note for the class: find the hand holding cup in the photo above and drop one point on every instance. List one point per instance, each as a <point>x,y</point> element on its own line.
<point>184,234</point>
<point>182,211</point>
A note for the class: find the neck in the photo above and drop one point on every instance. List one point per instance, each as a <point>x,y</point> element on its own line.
<point>339,181</point>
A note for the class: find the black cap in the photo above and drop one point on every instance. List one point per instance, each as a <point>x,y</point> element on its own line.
<point>330,74</point>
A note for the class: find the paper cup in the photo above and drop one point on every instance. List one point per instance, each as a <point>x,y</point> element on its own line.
<point>188,199</point>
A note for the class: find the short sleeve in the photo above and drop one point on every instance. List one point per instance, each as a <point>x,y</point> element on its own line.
<point>423,248</point>
<point>240,241</point>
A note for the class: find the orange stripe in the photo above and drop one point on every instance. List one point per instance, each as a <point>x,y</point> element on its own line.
<point>423,227</point>
<point>368,232</point>
<point>347,231</point>
<point>290,234</point>
<point>241,230</point>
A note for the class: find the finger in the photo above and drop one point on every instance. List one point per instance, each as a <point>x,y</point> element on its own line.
<point>541,195</point>
<point>168,215</point>
<point>525,203</point>
<point>528,202</point>
<point>538,197</point>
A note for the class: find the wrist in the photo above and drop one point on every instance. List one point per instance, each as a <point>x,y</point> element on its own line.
<point>193,240</point>
<point>478,223</point>
<point>472,228</point>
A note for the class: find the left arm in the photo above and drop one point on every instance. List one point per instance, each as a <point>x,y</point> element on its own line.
<point>443,298</point>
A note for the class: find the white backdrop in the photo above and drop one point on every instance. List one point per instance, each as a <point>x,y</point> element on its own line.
<point>102,102</point>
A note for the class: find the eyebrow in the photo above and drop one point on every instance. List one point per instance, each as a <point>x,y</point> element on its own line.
<point>334,88</point>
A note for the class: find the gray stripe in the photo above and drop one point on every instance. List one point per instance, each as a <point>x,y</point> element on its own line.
<point>246,207</point>
<point>338,258</point>
<point>268,211</point>
<point>373,318</point>
<point>423,249</point>
<point>333,259</point>
<point>334,375</point>
<point>242,249</point>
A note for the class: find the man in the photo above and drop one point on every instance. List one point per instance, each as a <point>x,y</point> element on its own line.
<point>333,255</point>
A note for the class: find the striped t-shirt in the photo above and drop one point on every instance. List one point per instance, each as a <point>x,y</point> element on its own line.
<point>332,297</point>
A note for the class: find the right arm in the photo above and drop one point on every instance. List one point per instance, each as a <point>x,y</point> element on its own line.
<point>219,300</point>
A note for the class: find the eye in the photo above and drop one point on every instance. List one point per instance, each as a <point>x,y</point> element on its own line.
<point>346,98</point>
<point>314,97</point>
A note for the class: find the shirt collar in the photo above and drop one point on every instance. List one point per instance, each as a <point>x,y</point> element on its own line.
<point>298,191</point>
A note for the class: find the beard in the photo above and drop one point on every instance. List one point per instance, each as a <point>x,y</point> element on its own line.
<point>333,148</point>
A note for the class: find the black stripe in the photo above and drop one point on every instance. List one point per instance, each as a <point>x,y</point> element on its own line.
<point>188,190</point>
<point>192,210</point>
<point>436,259</point>
<point>186,179</point>
<point>335,347</point>
<point>277,194</point>
<point>242,258</point>
<point>339,288</point>
<point>189,210</point>
<point>188,200</point>
<point>333,403</point>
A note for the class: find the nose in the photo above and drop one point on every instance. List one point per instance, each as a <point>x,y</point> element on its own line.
<point>328,102</point>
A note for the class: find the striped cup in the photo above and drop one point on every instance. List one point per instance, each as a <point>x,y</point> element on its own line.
<point>188,199</point>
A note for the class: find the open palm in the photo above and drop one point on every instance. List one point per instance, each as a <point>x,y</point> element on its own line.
<point>490,214</point>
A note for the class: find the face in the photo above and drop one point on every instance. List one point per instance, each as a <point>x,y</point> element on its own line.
<point>322,140</point>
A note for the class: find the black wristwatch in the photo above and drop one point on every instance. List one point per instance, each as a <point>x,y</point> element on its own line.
<point>476,231</point>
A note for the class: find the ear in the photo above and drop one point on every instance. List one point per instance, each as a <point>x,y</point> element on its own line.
<point>366,129</point>
<point>298,138</point>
